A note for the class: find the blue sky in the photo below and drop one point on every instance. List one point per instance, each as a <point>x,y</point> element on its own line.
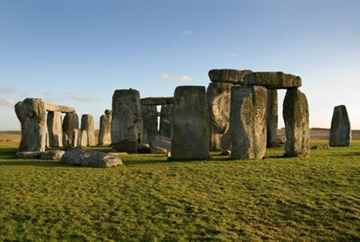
<point>77,52</point>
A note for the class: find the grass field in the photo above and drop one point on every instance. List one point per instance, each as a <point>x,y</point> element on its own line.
<point>150,199</point>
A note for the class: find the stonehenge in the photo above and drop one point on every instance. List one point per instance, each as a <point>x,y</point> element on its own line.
<point>272,117</point>
<point>248,122</point>
<point>70,128</point>
<point>105,128</point>
<point>55,131</point>
<point>165,120</point>
<point>340,132</point>
<point>87,125</point>
<point>190,124</point>
<point>150,121</point>
<point>127,122</point>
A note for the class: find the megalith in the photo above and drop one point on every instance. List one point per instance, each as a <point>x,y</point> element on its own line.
<point>31,113</point>
<point>248,122</point>
<point>272,117</point>
<point>87,124</point>
<point>105,128</point>
<point>165,120</point>
<point>83,141</point>
<point>150,121</point>
<point>70,125</point>
<point>296,118</point>
<point>190,124</point>
<point>127,123</point>
<point>54,124</point>
<point>273,80</point>
<point>340,132</point>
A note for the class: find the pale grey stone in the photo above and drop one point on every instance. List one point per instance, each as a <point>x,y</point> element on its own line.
<point>105,128</point>
<point>91,158</point>
<point>70,124</point>
<point>54,124</point>
<point>87,124</point>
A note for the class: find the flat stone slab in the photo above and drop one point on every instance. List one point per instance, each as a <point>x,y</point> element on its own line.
<point>157,101</point>
<point>91,158</point>
<point>228,75</point>
<point>58,108</point>
<point>272,80</point>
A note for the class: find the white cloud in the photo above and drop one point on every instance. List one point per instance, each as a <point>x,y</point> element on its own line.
<point>6,102</point>
<point>172,77</point>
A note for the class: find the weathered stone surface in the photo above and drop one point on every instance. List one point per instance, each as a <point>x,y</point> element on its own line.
<point>105,128</point>
<point>228,75</point>
<point>51,107</point>
<point>190,124</point>
<point>219,97</point>
<point>52,155</point>
<point>127,123</point>
<point>28,154</point>
<point>87,124</point>
<point>160,144</point>
<point>91,158</point>
<point>248,122</point>
<point>272,118</point>
<point>70,124</point>
<point>150,121</point>
<point>54,124</point>
<point>153,101</point>
<point>32,115</point>
<point>76,137</point>
<point>272,80</point>
<point>84,141</point>
<point>296,118</point>
<point>165,120</point>
<point>340,132</point>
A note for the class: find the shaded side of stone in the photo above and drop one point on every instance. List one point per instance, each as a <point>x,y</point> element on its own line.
<point>272,80</point>
<point>272,118</point>
<point>296,118</point>
<point>190,124</point>
<point>127,122</point>
<point>340,132</point>
<point>165,120</point>
<point>228,75</point>
<point>150,121</point>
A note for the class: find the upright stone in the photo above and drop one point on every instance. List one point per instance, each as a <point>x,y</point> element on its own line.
<point>340,132</point>
<point>150,121</point>
<point>296,118</point>
<point>87,124</point>
<point>165,120</point>
<point>219,98</point>
<point>248,122</point>
<point>32,115</point>
<point>272,118</point>
<point>70,124</point>
<point>127,123</point>
<point>190,124</point>
<point>54,123</point>
<point>84,141</point>
<point>105,128</point>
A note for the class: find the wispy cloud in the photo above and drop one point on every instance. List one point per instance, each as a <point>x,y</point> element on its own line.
<point>6,103</point>
<point>172,77</point>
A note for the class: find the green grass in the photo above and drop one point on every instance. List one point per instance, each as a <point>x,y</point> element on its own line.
<point>150,199</point>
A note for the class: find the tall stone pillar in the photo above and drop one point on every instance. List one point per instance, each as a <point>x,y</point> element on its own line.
<point>150,121</point>
<point>87,124</point>
<point>70,126</point>
<point>127,122</point>
<point>190,124</point>
<point>296,118</point>
<point>32,115</point>
<point>248,122</point>
<point>105,128</point>
<point>272,117</point>
<point>340,132</point>
<point>165,120</point>
<point>54,123</point>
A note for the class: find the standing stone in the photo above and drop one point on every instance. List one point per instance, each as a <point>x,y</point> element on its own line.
<point>219,98</point>
<point>165,120</point>
<point>76,137</point>
<point>272,118</point>
<point>296,118</point>
<point>105,128</point>
<point>248,122</point>
<point>84,141</point>
<point>150,121</point>
<point>127,123</point>
<point>32,115</point>
<point>190,124</point>
<point>70,124</point>
<point>340,132</point>
<point>87,124</point>
<point>54,123</point>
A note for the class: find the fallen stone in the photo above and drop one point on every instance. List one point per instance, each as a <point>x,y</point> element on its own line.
<point>91,158</point>
<point>28,154</point>
<point>52,155</point>
<point>272,80</point>
<point>296,118</point>
<point>228,75</point>
<point>340,132</point>
<point>190,136</point>
<point>248,122</point>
